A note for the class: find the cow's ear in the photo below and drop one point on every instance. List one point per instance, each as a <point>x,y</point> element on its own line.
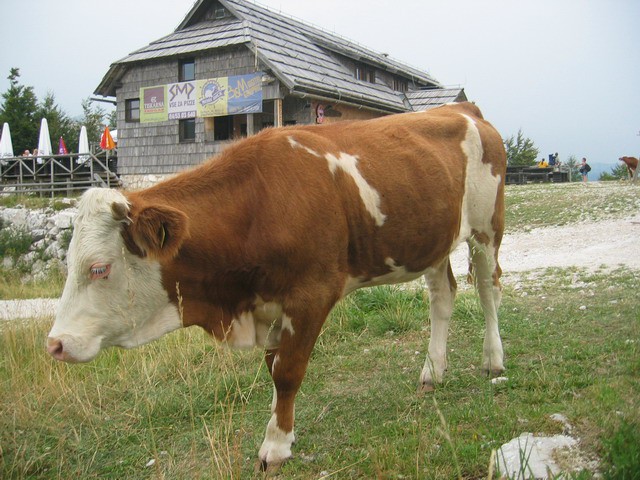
<point>120,212</point>
<point>159,231</point>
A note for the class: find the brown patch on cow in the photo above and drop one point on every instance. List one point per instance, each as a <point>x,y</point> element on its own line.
<point>480,236</point>
<point>497,273</point>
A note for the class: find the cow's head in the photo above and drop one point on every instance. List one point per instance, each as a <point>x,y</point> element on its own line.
<point>114,294</point>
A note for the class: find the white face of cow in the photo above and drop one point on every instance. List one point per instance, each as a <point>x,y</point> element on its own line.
<point>112,297</point>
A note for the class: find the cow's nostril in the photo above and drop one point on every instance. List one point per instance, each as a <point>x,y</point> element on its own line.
<point>55,348</point>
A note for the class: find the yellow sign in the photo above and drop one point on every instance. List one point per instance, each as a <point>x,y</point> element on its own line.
<point>213,97</point>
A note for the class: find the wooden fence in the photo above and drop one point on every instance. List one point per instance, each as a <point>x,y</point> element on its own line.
<point>62,174</point>
<point>518,175</point>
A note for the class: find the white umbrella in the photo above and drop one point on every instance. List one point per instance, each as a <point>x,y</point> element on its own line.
<point>44,142</point>
<point>83,146</point>
<point>6,147</point>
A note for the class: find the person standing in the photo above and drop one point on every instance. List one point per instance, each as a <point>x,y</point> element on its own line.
<point>584,170</point>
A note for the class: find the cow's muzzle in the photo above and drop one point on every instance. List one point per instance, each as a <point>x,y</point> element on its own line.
<point>56,349</point>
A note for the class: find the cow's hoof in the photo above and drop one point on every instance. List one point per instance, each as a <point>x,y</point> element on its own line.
<point>269,469</point>
<point>493,372</point>
<point>426,387</point>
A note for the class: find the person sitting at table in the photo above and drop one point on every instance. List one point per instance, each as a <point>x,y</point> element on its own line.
<point>543,164</point>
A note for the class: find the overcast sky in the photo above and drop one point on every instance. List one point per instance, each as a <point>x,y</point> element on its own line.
<point>567,72</point>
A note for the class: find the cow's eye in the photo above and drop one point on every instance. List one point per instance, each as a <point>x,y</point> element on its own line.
<point>99,270</point>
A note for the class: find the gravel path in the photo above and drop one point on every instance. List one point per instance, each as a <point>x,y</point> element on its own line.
<point>590,245</point>
<point>609,243</point>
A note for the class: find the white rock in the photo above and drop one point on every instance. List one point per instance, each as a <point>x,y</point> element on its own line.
<point>64,220</point>
<point>538,453</point>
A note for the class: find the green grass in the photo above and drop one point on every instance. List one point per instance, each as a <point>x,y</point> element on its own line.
<point>15,284</point>
<point>33,202</point>
<point>199,409</point>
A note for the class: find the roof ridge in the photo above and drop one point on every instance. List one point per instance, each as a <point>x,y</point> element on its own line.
<point>380,58</point>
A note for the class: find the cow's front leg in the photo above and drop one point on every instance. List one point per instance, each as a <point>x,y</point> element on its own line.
<point>276,447</point>
<point>287,365</point>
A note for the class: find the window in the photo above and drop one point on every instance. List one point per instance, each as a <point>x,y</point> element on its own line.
<point>187,130</point>
<point>400,85</point>
<point>217,129</point>
<point>365,73</point>
<point>132,110</point>
<point>187,69</point>
<point>222,128</point>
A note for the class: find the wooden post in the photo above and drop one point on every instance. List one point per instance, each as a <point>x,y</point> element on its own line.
<point>250,130</point>
<point>277,112</point>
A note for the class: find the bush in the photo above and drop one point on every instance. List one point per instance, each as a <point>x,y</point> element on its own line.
<point>14,242</point>
<point>619,172</point>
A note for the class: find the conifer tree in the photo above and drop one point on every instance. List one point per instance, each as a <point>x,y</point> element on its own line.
<point>18,108</point>
<point>521,150</point>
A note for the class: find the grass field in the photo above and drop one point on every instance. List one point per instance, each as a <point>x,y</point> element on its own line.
<point>185,407</point>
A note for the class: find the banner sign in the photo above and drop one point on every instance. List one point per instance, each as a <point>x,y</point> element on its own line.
<point>245,94</point>
<point>153,101</point>
<point>182,100</point>
<point>239,94</point>
<point>213,97</point>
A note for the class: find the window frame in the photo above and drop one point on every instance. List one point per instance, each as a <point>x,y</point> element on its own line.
<point>183,130</point>
<point>400,85</point>
<point>129,116</point>
<point>182,74</point>
<point>365,73</point>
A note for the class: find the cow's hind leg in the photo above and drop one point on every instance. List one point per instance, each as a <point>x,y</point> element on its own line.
<point>487,281</point>
<point>442,292</point>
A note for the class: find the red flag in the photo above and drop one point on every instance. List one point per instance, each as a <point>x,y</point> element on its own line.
<point>106,140</point>
<point>62,147</point>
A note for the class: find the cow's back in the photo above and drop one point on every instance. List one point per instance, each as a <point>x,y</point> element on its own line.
<point>363,192</point>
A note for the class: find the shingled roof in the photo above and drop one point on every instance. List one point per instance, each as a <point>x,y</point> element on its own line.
<point>433,97</point>
<point>303,57</point>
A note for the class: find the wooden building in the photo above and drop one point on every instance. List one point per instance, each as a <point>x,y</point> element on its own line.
<point>301,73</point>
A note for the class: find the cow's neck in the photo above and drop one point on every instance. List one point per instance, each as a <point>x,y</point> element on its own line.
<point>211,279</point>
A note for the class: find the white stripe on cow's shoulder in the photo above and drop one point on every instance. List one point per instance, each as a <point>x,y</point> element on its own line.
<point>349,164</point>
<point>295,144</point>
<point>481,186</point>
<point>370,197</point>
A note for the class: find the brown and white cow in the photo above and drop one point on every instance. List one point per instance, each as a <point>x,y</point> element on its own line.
<point>260,242</point>
<point>632,167</point>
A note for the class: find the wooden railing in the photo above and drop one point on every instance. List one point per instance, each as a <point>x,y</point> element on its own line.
<point>48,175</point>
